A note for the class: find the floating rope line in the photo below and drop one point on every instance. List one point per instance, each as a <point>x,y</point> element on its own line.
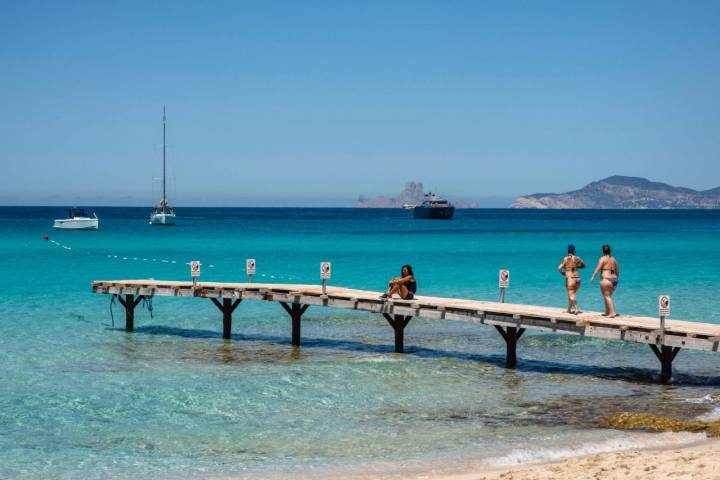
<point>167,261</point>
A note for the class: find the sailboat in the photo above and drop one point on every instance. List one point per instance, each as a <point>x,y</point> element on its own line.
<point>163,214</point>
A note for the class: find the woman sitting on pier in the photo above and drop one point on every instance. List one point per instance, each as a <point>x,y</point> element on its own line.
<point>404,285</point>
<point>569,269</point>
<point>608,279</point>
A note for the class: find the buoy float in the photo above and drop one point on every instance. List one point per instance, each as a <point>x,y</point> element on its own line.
<point>46,237</point>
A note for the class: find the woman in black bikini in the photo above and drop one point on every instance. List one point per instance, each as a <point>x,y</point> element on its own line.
<point>404,285</point>
<point>568,268</point>
<point>608,279</point>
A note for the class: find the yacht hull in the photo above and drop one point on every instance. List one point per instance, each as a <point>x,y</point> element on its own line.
<point>77,224</point>
<point>434,213</point>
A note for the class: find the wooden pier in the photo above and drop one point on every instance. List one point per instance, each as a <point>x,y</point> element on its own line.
<point>510,320</point>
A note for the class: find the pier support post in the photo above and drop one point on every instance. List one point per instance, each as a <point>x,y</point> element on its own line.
<point>666,355</point>
<point>296,312</point>
<point>511,335</point>
<point>129,303</point>
<point>227,307</point>
<point>398,323</point>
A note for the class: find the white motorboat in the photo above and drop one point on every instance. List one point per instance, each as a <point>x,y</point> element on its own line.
<point>163,214</point>
<point>78,220</point>
<point>408,206</point>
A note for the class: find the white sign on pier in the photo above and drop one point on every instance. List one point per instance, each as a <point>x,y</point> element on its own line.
<point>664,305</point>
<point>325,270</point>
<point>504,278</point>
<point>195,268</point>
<point>250,266</point>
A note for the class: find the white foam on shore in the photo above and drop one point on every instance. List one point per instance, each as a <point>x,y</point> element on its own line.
<point>709,399</point>
<point>710,416</point>
<point>643,441</point>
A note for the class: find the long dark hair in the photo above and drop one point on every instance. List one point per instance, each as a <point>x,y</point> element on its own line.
<point>409,269</point>
<point>606,249</point>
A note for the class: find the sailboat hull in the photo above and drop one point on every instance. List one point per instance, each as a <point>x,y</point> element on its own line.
<point>162,219</point>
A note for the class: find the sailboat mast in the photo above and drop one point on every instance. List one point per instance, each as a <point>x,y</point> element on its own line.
<point>164,201</point>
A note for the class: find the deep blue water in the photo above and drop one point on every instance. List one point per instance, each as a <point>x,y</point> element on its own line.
<point>80,398</point>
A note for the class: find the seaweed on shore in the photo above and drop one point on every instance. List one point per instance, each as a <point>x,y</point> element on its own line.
<point>658,423</point>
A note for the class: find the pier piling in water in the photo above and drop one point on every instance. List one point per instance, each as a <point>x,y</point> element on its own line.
<point>227,307</point>
<point>511,335</point>
<point>510,320</point>
<point>295,310</point>
<point>398,323</point>
<point>666,355</point>
<point>129,303</point>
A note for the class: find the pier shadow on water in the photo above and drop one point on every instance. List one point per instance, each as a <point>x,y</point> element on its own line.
<point>524,365</point>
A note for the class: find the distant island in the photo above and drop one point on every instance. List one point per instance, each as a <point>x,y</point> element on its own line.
<point>413,193</point>
<point>624,193</point>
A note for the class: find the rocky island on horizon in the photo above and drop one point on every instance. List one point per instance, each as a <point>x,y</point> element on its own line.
<point>413,193</point>
<point>621,192</point>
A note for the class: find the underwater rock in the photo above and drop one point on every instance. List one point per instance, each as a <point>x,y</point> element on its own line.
<point>658,423</point>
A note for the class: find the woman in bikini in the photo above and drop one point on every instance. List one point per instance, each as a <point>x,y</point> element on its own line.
<point>404,285</point>
<point>608,279</point>
<point>568,268</point>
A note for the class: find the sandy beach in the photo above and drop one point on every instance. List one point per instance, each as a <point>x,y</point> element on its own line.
<point>697,461</point>
<point>700,461</point>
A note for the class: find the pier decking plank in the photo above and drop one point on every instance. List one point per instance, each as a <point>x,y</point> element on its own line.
<point>510,320</point>
<point>678,333</point>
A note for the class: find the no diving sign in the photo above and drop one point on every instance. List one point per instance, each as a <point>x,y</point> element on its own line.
<point>325,270</point>
<point>195,268</point>
<point>250,266</point>
<point>664,305</point>
<point>504,278</point>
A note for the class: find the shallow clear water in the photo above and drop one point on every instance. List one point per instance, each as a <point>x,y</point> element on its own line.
<point>81,398</point>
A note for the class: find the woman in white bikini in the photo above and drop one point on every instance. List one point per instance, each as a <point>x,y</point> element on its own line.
<point>608,279</point>
<point>568,268</point>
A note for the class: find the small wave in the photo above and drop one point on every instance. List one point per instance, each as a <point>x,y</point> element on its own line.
<point>379,360</point>
<point>542,455</point>
<point>709,398</point>
<point>710,416</point>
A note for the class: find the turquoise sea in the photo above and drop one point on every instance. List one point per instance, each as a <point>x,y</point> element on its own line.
<point>81,398</point>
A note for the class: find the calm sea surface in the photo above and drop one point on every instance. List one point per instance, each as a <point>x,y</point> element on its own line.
<point>80,398</point>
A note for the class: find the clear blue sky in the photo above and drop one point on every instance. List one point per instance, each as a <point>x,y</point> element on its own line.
<point>322,101</point>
